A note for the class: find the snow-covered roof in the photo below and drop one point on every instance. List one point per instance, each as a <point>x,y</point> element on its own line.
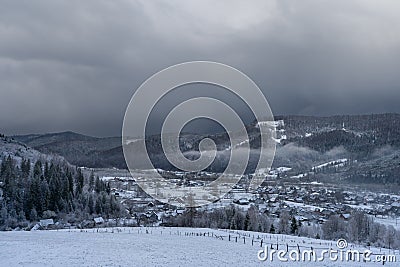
<point>396,204</point>
<point>346,215</point>
<point>278,123</point>
<point>46,222</point>
<point>99,220</point>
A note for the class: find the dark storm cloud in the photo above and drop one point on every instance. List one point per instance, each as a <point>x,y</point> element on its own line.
<point>73,65</point>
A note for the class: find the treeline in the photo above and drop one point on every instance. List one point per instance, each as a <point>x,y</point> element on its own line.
<point>360,228</point>
<point>385,126</point>
<point>229,217</point>
<point>387,176</point>
<point>362,136</point>
<point>235,218</point>
<point>44,190</point>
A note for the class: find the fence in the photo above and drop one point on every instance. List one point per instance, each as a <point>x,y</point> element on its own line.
<point>273,241</point>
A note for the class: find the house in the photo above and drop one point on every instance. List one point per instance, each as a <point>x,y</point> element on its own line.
<point>328,212</point>
<point>148,218</point>
<point>46,223</point>
<point>86,224</point>
<point>242,201</point>
<point>395,207</point>
<point>98,220</point>
<point>180,211</point>
<point>36,227</point>
<point>299,200</point>
<point>259,201</point>
<point>301,218</point>
<point>345,216</point>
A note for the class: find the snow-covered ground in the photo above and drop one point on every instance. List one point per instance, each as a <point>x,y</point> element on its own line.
<point>155,247</point>
<point>19,151</point>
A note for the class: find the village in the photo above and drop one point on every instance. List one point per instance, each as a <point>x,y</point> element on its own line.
<point>309,202</point>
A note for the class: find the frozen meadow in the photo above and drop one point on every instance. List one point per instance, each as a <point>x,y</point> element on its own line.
<point>157,247</point>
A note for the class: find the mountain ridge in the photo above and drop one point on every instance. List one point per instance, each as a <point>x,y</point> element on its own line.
<point>302,141</point>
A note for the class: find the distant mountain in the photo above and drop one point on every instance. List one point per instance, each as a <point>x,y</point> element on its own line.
<point>35,140</point>
<point>370,142</point>
<point>78,149</point>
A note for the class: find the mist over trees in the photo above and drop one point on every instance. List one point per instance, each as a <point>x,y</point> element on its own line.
<point>44,190</point>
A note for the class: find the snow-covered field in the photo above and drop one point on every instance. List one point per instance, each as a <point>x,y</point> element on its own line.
<point>153,247</point>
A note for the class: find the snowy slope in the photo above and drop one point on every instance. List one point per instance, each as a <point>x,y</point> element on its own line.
<point>158,247</point>
<point>18,151</point>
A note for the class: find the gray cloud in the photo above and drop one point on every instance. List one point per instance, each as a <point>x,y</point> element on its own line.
<point>73,65</point>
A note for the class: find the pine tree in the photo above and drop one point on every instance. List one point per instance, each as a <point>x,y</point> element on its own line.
<point>8,176</point>
<point>91,182</point>
<point>33,216</point>
<point>247,222</point>
<point>98,206</point>
<point>293,226</point>
<point>90,204</point>
<point>79,180</point>
<point>37,169</point>
<point>46,171</point>
<point>3,214</point>
<point>70,182</point>
<point>25,168</point>
<point>108,188</point>
<point>98,185</point>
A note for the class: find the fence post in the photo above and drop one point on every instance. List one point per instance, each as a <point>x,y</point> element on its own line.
<point>244,240</point>
<point>229,238</point>
<point>236,239</point>
<point>261,243</point>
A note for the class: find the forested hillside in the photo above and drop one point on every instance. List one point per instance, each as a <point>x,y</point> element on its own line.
<point>43,190</point>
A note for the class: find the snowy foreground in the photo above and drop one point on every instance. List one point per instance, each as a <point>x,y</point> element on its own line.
<point>156,247</point>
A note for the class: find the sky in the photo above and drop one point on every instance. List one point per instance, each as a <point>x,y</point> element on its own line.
<point>74,65</point>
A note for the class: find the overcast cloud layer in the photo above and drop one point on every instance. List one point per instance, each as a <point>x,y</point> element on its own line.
<point>73,65</point>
